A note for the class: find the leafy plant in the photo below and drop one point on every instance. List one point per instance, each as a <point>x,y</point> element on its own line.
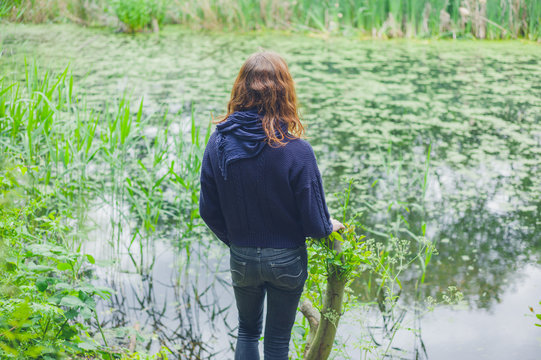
<point>139,15</point>
<point>537,316</point>
<point>45,300</point>
<point>48,140</point>
<point>339,259</point>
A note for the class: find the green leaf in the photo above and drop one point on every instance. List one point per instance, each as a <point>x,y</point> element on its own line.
<point>63,266</point>
<point>42,284</point>
<point>83,295</point>
<point>39,268</point>
<point>87,345</point>
<point>11,263</point>
<point>68,332</point>
<point>90,303</point>
<point>90,259</point>
<point>71,313</point>
<point>86,313</point>
<point>34,352</point>
<point>63,286</point>
<point>71,301</point>
<point>9,350</point>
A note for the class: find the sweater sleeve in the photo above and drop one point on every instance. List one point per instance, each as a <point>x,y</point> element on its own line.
<point>310,198</point>
<point>209,201</point>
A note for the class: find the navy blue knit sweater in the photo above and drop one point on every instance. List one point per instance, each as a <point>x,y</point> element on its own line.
<point>274,199</point>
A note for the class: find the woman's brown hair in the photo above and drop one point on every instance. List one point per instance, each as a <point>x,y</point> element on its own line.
<point>264,83</point>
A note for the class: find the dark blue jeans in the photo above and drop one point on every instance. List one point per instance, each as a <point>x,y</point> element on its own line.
<point>278,273</point>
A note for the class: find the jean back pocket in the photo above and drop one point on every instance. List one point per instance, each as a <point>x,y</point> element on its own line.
<point>238,271</point>
<point>290,273</point>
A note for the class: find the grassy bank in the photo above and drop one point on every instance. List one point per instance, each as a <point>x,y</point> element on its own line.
<point>60,156</point>
<point>57,156</point>
<point>372,107</point>
<point>47,303</point>
<point>490,19</point>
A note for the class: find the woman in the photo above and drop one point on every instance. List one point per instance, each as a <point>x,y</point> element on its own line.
<point>262,195</point>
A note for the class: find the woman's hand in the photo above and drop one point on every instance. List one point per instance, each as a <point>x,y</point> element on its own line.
<point>337,225</point>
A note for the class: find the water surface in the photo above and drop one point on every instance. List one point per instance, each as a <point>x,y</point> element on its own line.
<point>372,109</point>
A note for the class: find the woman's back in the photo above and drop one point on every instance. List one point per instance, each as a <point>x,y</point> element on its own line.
<point>274,199</point>
<point>261,194</point>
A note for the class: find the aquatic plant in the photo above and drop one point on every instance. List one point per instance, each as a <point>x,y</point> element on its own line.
<point>40,11</point>
<point>492,19</point>
<point>138,15</point>
<point>46,300</point>
<point>342,257</point>
<point>52,145</point>
<point>537,316</point>
<point>376,18</point>
<point>404,92</point>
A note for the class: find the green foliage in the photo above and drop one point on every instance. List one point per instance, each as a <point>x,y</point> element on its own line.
<point>38,11</point>
<point>45,300</point>
<point>378,18</point>
<point>537,316</point>
<point>5,9</point>
<point>48,139</point>
<point>138,15</point>
<point>383,262</point>
<point>377,260</point>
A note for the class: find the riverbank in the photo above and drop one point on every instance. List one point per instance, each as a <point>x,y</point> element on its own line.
<point>379,19</point>
<point>373,111</point>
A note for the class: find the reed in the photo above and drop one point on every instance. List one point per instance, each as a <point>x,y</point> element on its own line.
<point>77,154</point>
<point>385,260</point>
<point>492,19</point>
<point>73,158</point>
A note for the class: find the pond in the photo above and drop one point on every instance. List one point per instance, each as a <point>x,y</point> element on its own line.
<point>373,111</point>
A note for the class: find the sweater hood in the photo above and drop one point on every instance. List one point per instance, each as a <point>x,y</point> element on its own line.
<point>241,136</point>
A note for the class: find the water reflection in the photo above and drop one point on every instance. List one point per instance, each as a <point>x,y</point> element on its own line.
<point>372,109</point>
<point>505,331</point>
<point>181,302</point>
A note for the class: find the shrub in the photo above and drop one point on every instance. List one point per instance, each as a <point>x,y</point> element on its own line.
<point>44,300</point>
<point>139,15</point>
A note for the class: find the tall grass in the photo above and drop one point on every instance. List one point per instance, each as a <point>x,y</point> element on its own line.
<point>384,261</point>
<point>77,153</point>
<point>492,19</point>
<point>72,158</point>
<point>39,11</point>
<point>45,302</point>
<point>382,18</point>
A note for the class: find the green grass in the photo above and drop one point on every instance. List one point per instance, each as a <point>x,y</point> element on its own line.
<point>60,158</point>
<point>498,19</point>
